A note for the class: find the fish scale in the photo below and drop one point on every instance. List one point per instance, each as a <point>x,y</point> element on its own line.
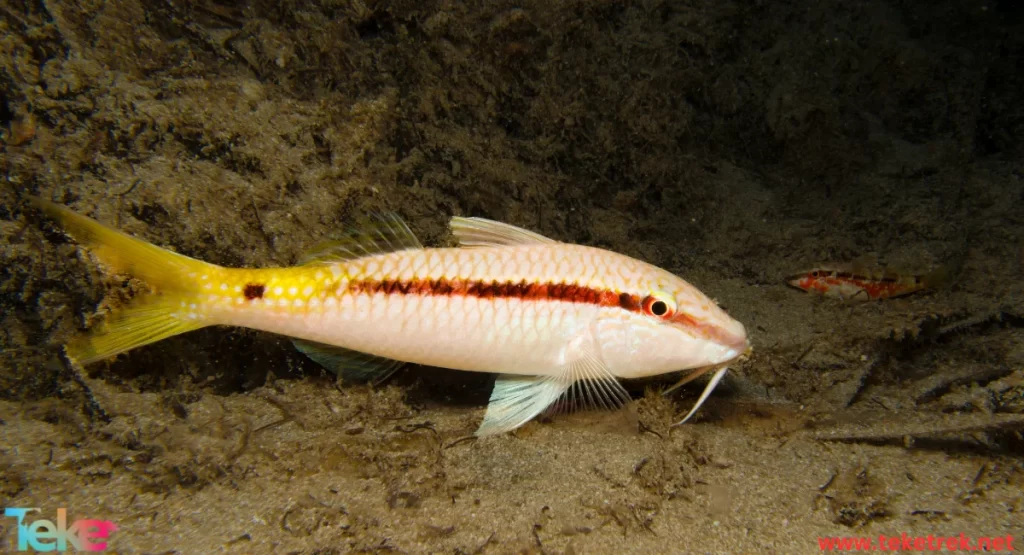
<point>554,320</point>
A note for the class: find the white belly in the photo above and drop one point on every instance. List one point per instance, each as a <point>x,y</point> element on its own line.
<point>502,335</point>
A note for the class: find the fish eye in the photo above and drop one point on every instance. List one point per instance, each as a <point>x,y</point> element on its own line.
<point>659,305</point>
<point>815,273</point>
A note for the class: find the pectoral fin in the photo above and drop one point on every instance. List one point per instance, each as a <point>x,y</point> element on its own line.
<point>592,386</point>
<point>582,383</point>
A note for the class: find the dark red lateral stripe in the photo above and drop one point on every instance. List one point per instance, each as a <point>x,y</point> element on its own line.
<point>523,290</point>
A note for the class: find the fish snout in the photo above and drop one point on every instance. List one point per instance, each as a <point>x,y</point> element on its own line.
<point>732,338</point>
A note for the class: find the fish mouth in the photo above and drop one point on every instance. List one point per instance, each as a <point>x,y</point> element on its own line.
<point>734,352</point>
<point>731,357</point>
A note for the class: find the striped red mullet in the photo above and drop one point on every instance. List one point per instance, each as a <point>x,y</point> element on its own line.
<point>862,285</point>
<point>560,323</point>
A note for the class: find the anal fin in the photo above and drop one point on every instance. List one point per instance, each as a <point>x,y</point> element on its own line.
<point>348,364</point>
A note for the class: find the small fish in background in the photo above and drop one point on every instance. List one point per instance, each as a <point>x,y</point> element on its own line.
<point>854,282</point>
<point>559,323</point>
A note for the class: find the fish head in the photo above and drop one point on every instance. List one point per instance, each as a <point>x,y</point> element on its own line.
<point>674,327</point>
<point>810,280</point>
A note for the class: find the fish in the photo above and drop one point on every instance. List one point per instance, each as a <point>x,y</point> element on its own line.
<point>559,323</point>
<point>855,283</point>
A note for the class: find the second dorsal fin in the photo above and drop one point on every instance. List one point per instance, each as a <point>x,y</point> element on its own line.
<point>377,234</point>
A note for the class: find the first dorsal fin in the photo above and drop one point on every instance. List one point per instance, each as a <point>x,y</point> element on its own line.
<point>377,234</point>
<point>480,232</point>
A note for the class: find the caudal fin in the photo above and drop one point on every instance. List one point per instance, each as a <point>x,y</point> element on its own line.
<point>166,311</point>
<point>145,321</point>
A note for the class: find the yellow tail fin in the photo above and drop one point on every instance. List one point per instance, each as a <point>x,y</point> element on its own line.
<point>157,315</point>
